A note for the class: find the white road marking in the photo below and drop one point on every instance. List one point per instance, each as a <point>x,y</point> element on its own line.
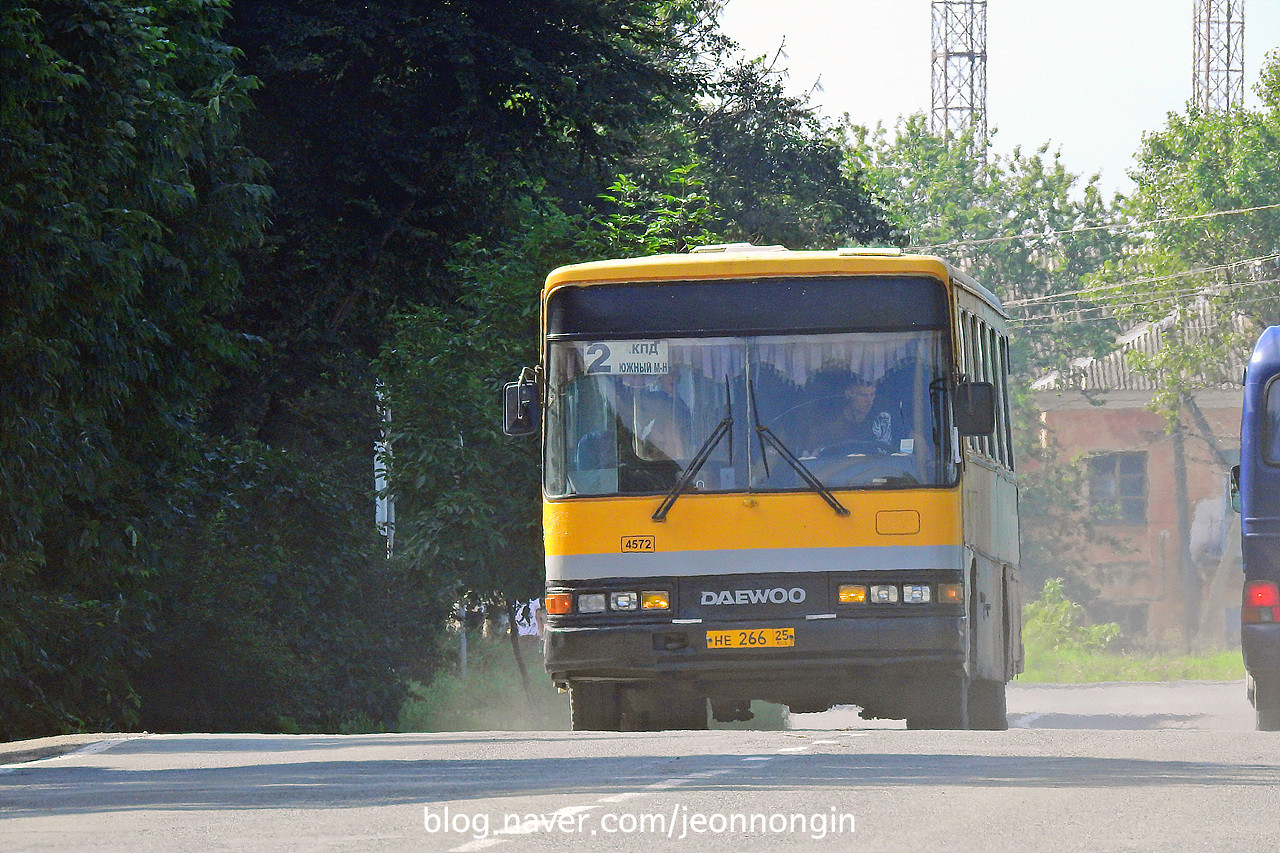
<point>667,783</point>
<point>1026,721</point>
<point>478,844</point>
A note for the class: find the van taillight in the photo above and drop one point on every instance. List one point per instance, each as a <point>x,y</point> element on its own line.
<point>1261,603</point>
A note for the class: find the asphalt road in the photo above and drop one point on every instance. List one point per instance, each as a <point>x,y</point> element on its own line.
<point>1099,767</point>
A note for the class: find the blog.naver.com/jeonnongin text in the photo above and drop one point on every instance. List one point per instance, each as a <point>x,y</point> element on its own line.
<point>676,823</point>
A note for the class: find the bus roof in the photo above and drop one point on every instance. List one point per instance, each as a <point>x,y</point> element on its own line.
<point>739,260</point>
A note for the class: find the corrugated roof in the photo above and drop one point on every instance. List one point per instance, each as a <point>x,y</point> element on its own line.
<point>1115,370</point>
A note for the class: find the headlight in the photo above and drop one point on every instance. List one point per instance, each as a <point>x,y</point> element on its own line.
<point>623,601</point>
<point>591,602</point>
<point>884,594</point>
<point>916,593</point>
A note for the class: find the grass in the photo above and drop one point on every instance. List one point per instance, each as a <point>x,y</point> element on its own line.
<point>1083,666</point>
<point>1063,647</point>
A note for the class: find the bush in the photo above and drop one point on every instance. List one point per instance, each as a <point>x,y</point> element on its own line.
<point>1061,647</point>
<point>277,609</point>
<point>1055,623</point>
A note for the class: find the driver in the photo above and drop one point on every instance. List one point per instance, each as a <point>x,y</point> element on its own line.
<point>658,419</point>
<point>856,421</point>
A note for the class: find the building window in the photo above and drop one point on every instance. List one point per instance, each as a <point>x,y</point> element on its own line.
<point>1118,487</point>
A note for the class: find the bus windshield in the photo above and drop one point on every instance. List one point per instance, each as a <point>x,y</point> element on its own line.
<point>859,410</point>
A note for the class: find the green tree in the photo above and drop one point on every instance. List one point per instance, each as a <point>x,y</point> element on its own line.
<point>775,170</point>
<point>124,198</point>
<point>1207,184</point>
<point>1024,226</point>
<point>1021,224</point>
<point>280,610</point>
<point>467,510</point>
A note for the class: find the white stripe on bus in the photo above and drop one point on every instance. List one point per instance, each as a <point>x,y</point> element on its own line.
<point>754,561</point>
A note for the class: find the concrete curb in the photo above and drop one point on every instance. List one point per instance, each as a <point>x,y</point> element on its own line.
<point>18,752</point>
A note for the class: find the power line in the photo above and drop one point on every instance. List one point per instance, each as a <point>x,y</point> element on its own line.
<point>1032,323</point>
<point>1100,291</point>
<point>1083,229</point>
<point>1152,297</point>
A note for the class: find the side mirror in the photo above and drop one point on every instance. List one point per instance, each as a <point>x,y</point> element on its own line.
<point>520,408</point>
<point>1235,487</point>
<point>975,408</point>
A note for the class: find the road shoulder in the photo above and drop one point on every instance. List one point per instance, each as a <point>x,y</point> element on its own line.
<point>22,751</point>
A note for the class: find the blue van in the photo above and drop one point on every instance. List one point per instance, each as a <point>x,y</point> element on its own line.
<point>1256,494</point>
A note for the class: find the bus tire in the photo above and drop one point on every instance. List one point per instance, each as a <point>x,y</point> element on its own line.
<point>595,706</point>
<point>943,704</point>
<point>987,709</point>
<point>1266,702</point>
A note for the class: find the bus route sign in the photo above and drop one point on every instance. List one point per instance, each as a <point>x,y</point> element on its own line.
<point>626,358</point>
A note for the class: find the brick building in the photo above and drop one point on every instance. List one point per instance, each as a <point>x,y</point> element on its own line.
<point>1167,559</point>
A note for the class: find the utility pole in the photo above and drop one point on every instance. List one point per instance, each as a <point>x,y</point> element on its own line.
<point>1217,80</point>
<point>960,70</point>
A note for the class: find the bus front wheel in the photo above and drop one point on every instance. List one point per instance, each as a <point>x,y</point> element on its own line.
<point>987,705</point>
<point>942,703</point>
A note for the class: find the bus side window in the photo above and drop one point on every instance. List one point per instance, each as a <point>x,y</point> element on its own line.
<point>1004,400</point>
<point>992,354</point>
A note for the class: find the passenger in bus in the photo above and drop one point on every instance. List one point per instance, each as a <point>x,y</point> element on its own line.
<point>854,424</point>
<point>658,420</point>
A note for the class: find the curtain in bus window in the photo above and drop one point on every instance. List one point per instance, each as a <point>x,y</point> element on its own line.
<point>858,409</point>
<point>633,425</point>
<point>869,356</point>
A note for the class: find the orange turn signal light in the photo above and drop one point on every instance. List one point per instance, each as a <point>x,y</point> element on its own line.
<point>951,593</point>
<point>559,603</point>
<point>655,600</point>
<point>852,593</point>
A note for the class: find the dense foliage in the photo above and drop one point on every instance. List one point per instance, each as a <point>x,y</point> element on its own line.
<point>1206,183</point>
<point>189,414</point>
<point>123,199</point>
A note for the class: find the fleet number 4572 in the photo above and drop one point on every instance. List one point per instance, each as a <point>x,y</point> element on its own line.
<point>638,545</point>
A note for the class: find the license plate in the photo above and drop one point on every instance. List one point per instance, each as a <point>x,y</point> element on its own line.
<point>752,638</point>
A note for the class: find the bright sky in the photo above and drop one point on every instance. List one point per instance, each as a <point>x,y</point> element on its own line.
<point>1088,76</point>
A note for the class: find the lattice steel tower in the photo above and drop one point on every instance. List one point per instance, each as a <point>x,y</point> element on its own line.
<point>960,69</point>
<point>1218,82</point>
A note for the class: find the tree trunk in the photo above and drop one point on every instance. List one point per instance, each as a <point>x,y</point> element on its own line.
<point>1190,577</point>
<point>513,631</point>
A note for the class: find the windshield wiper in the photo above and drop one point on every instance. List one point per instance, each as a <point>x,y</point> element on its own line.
<point>766,435</point>
<point>725,427</point>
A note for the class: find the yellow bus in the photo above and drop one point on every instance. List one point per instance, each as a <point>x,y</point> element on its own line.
<point>775,475</point>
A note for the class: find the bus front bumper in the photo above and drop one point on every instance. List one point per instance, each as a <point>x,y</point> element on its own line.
<point>835,647</point>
